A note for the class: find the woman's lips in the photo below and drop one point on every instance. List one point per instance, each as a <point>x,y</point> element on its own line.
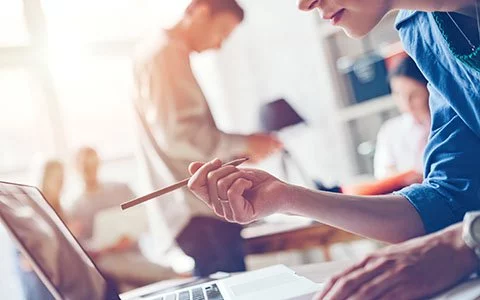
<point>336,17</point>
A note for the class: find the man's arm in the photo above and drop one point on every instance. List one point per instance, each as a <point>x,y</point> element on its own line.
<point>183,121</point>
<point>413,270</point>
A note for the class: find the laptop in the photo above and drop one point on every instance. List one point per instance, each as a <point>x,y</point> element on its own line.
<point>69,273</point>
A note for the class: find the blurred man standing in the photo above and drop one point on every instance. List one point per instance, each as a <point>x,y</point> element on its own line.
<point>177,128</point>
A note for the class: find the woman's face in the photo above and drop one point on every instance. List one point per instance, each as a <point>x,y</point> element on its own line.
<point>355,17</point>
<point>412,98</point>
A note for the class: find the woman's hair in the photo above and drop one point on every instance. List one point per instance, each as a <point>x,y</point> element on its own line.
<point>42,169</point>
<point>408,68</point>
<point>218,6</point>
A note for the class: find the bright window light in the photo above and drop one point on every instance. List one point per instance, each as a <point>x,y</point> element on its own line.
<point>12,25</point>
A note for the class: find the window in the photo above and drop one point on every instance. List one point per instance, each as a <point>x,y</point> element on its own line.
<point>13,31</point>
<point>95,99</point>
<point>108,20</point>
<point>87,100</point>
<point>23,125</point>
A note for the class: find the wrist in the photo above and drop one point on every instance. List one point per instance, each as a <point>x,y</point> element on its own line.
<point>288,198</point>
<point>294,199</point>
<point>465,258</point>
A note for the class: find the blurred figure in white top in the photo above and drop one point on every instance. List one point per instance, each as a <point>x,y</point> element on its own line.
<point>402,140</point>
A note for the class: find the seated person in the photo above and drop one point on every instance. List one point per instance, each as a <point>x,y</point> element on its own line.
<point>402,140</point>
<point>32,221</point>
<point>50,183</point>
<point>122,262</point>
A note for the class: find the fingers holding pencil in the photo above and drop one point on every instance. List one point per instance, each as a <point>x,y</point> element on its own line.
<point>208,167</point>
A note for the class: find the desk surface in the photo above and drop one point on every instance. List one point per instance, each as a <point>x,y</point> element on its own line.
<point>281,225</point>
<point>299,235</point>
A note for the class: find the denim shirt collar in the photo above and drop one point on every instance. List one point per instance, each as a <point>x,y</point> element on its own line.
<point>403,16</point>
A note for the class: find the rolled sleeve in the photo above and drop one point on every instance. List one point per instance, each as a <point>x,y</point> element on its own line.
<point>433,207</point>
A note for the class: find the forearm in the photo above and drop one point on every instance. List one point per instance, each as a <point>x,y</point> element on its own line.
<point>389,218</point>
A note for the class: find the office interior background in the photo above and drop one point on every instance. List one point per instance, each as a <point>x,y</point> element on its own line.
<point>66,82</point>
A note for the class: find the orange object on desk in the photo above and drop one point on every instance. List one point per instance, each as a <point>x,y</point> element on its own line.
<point>384,186</point>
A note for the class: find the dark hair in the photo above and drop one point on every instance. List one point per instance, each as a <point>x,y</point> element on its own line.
<point>408,68</point>
<point>218,6</point>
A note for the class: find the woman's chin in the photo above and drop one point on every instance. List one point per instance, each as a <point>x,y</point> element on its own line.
<point>355,33</point>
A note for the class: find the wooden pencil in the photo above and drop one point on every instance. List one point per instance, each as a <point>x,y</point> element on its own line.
<point>171,188</point>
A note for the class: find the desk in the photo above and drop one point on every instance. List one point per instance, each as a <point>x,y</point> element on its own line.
<point>301,235</point>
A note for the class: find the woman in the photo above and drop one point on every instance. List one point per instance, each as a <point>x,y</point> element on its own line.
<point>402,140</point>
<point>50,182</point>
<point>443,39</point>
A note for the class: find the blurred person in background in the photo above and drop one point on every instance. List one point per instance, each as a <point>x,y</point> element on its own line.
<point>41,234</point>
<point>123,262</point>
<point>402,140</point>
<point>177,128</point>
<point>49,177</point>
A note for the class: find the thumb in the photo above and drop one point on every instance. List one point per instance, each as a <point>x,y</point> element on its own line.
<point>193,168</point>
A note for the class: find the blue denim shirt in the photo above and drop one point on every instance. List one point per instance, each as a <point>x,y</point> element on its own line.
<point>452,157</point>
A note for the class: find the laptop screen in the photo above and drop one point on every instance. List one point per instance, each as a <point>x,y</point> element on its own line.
<point>56,254</point>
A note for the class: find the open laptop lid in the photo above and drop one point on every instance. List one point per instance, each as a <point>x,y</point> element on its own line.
<point>42,237</point>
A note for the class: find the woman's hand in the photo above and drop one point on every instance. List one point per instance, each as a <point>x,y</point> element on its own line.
<point>238,195</point>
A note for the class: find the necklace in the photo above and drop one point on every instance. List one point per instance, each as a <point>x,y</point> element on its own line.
<point>463,33</point>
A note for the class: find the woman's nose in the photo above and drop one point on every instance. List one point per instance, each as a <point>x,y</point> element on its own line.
<point>307,5</point>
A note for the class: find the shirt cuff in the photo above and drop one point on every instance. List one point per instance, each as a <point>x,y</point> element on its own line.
<point>433,208</point>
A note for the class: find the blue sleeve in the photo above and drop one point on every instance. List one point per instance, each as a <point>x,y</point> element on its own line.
<point>432,207</point>
<point>452,157</point>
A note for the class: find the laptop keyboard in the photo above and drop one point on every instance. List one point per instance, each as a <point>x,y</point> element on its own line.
<point>184,295</point>
<point>210,292</point>
<point>197,294</point>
